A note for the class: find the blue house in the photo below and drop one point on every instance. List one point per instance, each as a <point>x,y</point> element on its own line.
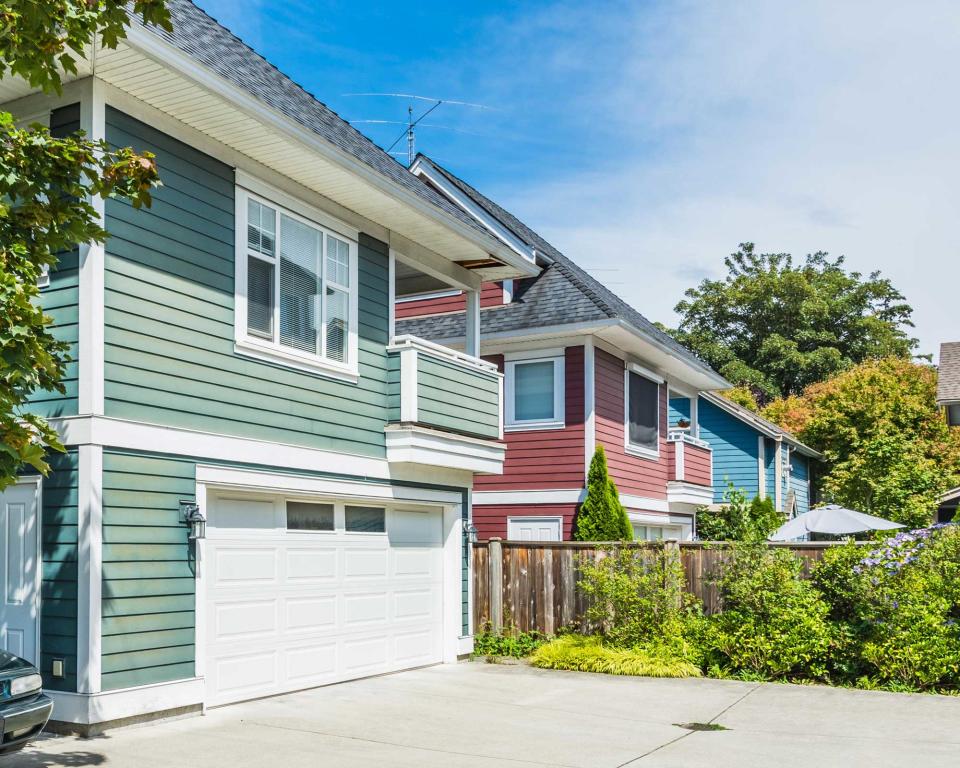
<point>755,455</point>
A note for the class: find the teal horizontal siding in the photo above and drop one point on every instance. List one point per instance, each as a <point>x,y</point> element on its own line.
<point>679,408</point>
<point>169,319</point>
<point>60,301</point>
<point>800,480</point>
<point>455,398</point>
<point>58,614</point>
<point>149,582</point>
<point>734,446</point>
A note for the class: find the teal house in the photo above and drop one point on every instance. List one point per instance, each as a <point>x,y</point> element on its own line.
<point>749,452</point>
<point>265,488</point>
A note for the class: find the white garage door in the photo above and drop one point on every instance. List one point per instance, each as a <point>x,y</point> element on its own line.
<point>303,593</point>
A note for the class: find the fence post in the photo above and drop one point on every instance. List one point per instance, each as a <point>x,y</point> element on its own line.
<point>673,572</point>
<point>495,569</point>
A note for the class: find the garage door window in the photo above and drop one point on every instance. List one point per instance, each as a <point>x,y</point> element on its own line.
<point>303,516</point>
<point>365,519</point>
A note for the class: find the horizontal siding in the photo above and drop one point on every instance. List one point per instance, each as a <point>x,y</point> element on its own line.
<point>58,615</point>
<point>696,467</point>
<point>800,480</point>
<point>148,570</point>
<point>491,519</point>
<point>734,447</point>
<point>169,318</point>
<point>549,458</point>
<point>632,474</point>
<point>59,301</point>
<point>453,398</point>
<point>679,408</point>
<point>491,295</point>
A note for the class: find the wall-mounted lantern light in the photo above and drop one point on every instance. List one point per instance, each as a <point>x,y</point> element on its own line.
<point>470,532</point>
<point>190,514</point>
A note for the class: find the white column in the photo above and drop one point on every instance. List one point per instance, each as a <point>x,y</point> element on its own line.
<point>473,323</point>
<point>409,407</point>
<point>89,567</point>
<point>589,404</point>
<point>452,596</point>
<point>90,333</point>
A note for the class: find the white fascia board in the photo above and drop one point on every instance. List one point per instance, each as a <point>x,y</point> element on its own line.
<point>680,492</point>
<point>171,57</point>
<point>523,339</point>
<point>561,496</point>
<point>423,167</point>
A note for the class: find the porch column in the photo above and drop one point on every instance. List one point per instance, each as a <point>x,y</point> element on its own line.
<point>473,323</point>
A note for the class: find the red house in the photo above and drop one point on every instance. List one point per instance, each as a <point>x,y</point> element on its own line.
<point>581,368</point>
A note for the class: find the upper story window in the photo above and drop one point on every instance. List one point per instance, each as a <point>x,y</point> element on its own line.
<point>296,289</point>
<point>642,411</point>
<point>534,393</point>
<point>953,414</point>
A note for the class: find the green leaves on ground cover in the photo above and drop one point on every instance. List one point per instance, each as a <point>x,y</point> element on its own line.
<point>592,654</point>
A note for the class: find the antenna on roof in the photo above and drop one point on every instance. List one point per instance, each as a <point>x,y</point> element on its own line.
<point>410,130</point>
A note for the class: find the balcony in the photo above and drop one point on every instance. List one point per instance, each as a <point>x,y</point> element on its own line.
<point>689,470</point>
<point>445,408</point>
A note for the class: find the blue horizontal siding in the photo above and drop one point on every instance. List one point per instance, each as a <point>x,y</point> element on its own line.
<point>679,409</point>
<point>734,447</point>
<point>800,480</point>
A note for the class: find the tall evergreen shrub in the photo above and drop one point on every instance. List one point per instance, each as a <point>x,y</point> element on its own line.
<point>602,516</point>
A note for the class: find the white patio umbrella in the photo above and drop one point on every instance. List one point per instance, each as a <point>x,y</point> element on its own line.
<point>833,519</point>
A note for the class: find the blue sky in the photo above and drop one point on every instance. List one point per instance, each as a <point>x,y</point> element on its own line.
<point>647,139</point>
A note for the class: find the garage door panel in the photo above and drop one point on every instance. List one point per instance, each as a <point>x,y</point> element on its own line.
<point>288,610</point>
<point>244,619</point>
<point>364,563</point>
<point>316,564</point>
<point>246,565</point>
<point>311,664</point>
<point>311,614</point>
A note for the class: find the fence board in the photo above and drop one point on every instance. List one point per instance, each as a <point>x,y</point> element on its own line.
<point>539,582</point>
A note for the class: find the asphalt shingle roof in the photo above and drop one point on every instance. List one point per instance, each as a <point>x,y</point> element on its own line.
<point>948,381</point>
<point>214,46</point>
<point>563,294</point>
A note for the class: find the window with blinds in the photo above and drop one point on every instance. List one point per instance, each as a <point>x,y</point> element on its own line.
<point>299,292</point>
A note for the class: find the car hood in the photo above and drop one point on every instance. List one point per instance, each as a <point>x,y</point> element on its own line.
<point>12,665</point>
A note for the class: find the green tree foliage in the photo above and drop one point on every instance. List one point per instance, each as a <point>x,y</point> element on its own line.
<point>602,516</point>
<point>888,450</point>
<point>775,326</point>
<point>45,189</point>
<point>737,519</point>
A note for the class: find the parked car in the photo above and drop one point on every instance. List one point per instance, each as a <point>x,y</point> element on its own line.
<point>24,710</point>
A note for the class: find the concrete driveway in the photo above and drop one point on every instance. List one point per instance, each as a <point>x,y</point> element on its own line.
<point>477,714</point>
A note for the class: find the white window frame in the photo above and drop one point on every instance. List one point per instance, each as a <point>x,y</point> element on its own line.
<point>511,423</point>
<point>251,345</point>
<point>641,451</point>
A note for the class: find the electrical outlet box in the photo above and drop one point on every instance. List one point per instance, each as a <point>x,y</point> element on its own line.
<point>58,668</point>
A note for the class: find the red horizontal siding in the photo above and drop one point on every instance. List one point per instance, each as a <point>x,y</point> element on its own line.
<point>491,520</point>
<point>672,447</point>
<point>632,474</point>
<point>697,468</point>
<point>545,458</point>
<point>491,295</point>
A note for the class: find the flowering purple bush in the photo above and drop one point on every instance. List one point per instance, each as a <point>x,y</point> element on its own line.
<point>900,550</point>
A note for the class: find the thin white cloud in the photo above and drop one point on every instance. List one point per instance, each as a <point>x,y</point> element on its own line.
<point>801,126</point>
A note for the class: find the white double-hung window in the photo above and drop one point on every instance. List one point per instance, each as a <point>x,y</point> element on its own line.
<point>296,291</point>
<point>534,393</point>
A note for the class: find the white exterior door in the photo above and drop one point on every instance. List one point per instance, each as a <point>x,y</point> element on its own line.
<point>19,570</point>
<point>534,528</point>
<point>288,608</point>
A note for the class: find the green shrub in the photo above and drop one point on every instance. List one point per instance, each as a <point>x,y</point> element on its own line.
<point>601,516</point>
<point>510,642</point>
<point>590,654</point>
<point>737,519</point>
<point>773,623</point>
<point>635,596</point>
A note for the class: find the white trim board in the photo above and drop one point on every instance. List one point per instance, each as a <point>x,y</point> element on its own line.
<point>89,708</point>
<point>89,567</point>
<point>139,436</point>
<point>561,496</point>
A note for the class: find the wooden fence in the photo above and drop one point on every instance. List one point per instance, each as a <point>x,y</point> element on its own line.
<point>532,586</point>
